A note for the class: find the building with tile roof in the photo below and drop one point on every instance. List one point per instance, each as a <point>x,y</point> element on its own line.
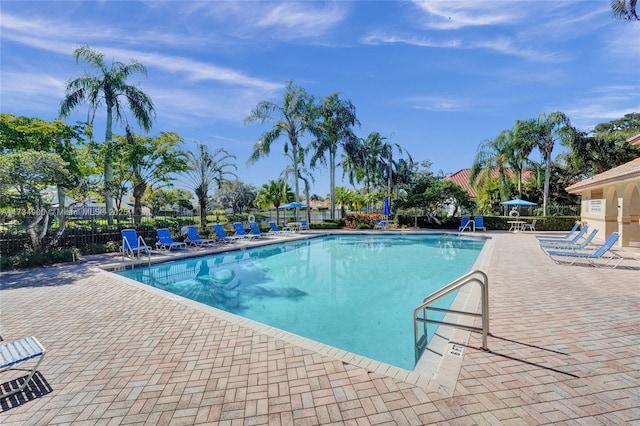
<point>461,177</point>
<point>611,200</point>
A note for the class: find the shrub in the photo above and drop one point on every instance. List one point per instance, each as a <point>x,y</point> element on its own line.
<point>29,258</point>
<point>353,220</point>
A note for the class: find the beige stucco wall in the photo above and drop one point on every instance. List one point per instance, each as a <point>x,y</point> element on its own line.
<point>616,210</point>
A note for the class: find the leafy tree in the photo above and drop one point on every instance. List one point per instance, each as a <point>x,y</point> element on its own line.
<point>625,9</point>
<point>347,198</point>
<point>208,170</point>
<point>593,154</point>
<point>332,128</point>
<point>23,177</point>
<point>432,195</point>
<point>151,161</point>
<point>19,133</point>
<point>237,195</point>
<point>157,198</point>
<point>107,87</point>
<point>274,193</point>
<point>489,197</point>
<point>292,117</point>
<point>603,148</point>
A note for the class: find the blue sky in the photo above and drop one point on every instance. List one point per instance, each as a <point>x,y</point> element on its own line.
<point>437,78</point>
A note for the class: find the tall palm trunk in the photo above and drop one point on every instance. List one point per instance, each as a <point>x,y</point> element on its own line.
<point>108,166</point>
<point>548,147</point>
<point>332,182</point>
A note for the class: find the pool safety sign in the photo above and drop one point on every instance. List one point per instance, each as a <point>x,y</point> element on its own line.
<point>456,350</point>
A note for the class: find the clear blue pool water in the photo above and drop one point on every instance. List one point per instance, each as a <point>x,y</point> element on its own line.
<point>354,292</point>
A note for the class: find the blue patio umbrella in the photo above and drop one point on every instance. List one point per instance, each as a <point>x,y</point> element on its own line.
<point>518,202</point>
<point>292,205</point>
<point>386,207</point>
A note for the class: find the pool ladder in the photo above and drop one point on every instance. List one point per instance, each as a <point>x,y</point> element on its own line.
<point>420,313</point>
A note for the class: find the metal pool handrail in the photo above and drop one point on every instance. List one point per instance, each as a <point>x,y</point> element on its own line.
<point>476,276</point>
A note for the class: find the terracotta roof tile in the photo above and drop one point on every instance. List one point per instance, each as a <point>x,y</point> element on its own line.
<point>461,177</point>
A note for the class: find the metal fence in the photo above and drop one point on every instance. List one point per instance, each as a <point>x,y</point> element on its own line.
<point>90,233</point>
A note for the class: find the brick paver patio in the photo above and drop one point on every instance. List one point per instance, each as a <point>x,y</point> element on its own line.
<point>564,349</point>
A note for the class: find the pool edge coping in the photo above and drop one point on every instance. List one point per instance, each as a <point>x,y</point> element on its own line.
<point>439,374</point>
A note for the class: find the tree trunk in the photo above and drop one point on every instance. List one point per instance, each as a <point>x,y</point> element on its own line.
<point>32,225</point>
<point>108,167</point>
<point>138,193</point>
<point>203,212</point>
<point>547,178</point>
<point>332,183</point>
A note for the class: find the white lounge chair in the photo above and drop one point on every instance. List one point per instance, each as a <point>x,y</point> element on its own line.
<point>17,352</point>
<point>529,226</point>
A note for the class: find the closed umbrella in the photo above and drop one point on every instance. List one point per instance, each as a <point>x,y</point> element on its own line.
<point>386,207</point>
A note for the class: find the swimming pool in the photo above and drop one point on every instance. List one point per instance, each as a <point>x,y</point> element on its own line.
<point>354,292</point>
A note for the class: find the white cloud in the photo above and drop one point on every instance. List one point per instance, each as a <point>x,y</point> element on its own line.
<point>437,103</point>
<point>452,15</point>
<point>36,34</point>
<point>379,38</point>
<point>272,20</point>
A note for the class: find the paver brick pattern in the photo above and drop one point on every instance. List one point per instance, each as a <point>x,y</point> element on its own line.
<point>564,349</point>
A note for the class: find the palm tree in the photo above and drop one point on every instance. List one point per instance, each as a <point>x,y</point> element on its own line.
<point>292,117</point>
<point>625,9</point>
<point>207,169</point>
<point>333,127</point>
<point>276,193</point>
<point>546,130</point>
<point>389,167</point>
<point>307,178</point>
<point>492,155</point>
<point>107,87</point>
<point>521,144</point>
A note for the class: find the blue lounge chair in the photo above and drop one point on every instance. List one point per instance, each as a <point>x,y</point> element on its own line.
<point>304,226</point>
<point>193,238</point>
<point>17,352</point>
<point>565,237</point>
<point>222,236</point>
<point>600,253</point>
<point>255,230</point>
<point>569,246</point>
<point>573,240</point>
<point>466,224</point>
<point>240,231</point>
<point>478,223</point>
<point>277,231</point>
<point>165,242</point>
<point>133,244</point>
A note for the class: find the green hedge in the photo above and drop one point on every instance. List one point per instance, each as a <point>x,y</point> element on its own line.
<point>548,223</point>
